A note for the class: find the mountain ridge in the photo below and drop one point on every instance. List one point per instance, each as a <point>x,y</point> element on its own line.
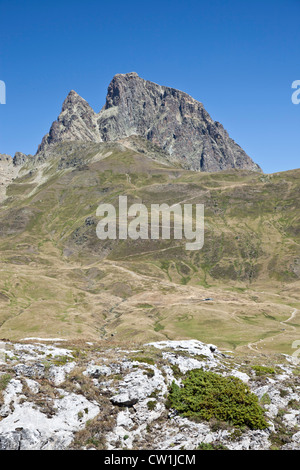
<point>169,118</point>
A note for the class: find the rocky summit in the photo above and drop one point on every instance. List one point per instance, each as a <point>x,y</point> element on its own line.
<point>169,118</point>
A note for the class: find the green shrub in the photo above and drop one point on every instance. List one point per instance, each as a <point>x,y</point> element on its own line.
<point>207,396</point>
<point>151,405</point>
<point>207,446</point>
<point>262,370</point>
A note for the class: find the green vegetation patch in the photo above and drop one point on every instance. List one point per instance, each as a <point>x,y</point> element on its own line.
<point>151,405</point>
<point>263,370</point>
<point>147,360</point>
<point>265,399</point>
<point>144,306</point>
<point>158,326</point>
<point>4,381</point>
<point>211,446</point>
<point>207,396</point>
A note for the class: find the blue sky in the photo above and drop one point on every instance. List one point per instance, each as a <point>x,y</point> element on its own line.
<point>238,57</point>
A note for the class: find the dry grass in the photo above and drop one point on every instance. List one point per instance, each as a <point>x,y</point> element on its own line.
<point>58,280</point>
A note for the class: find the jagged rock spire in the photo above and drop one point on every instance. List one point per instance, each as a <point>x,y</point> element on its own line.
<point>77,121</point>
<point>169,118</point>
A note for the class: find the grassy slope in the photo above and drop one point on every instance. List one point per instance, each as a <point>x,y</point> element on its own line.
<point>58,279</point>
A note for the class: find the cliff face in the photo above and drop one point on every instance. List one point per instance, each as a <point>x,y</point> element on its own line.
<point>171,119</point>
<point>167,117</point>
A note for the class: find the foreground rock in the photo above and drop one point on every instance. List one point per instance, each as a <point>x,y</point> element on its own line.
<point>91,397</point>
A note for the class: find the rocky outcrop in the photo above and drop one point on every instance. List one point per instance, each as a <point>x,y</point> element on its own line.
<point>169,118</point>
<point>172,120</point>
<point>20,158</point>
<point>76,122</point>
<point>98,397</point>
<point>8,171</point>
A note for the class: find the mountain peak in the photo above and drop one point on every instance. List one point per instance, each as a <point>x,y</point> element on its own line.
<point>128,75</point>
<point>169,118</point>
<point>76,122</point>
<point>72,100</point>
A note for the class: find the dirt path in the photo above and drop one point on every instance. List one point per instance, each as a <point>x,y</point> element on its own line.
<point>291,317</point>
<point>253,346</point>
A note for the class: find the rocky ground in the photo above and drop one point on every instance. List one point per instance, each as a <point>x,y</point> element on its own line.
<point>57,395</point>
